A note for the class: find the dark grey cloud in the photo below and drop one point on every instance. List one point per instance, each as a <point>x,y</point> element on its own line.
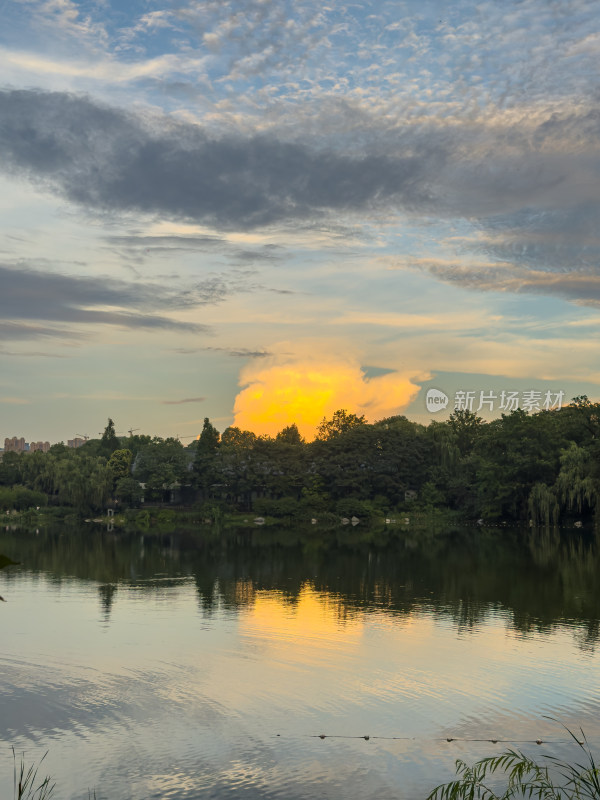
<point>104,158</point>
<point>181,402</point>
<point>30,294</point>
<point>528,185</point>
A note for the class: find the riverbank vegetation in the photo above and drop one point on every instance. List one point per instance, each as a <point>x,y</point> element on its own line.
<point>542,468</point>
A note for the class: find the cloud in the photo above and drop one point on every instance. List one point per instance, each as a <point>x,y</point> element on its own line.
<point>14,331</point>
<point>579,286</point>
<point>138,248</point>
<point>239,352</point>
<point>104,158</point>
<point>15,401</point>
<point>30,354</point>
<point>30,294</point>
<point>64,17</point>
<point>181,402</point>
<point>515,178</point>
<point>312,384</point>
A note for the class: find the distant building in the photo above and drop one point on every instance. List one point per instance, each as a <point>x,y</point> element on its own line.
<point>76,442</point>
<point>39,447</point>
<point>15,445</point>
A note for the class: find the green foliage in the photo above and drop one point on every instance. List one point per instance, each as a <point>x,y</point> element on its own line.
<point>543,506</point>
<point>166,517</point>
<point>206,454</point>
<point>129,492</point>
<point>285,507</point>
<point>290,435</point>
<point>341,422</point>
<point>21,498</point>
<point>142,519</point>
<point>11,469</point>
<point>109,441</point>
<point>160,465</point>
<point>522,467</point>
<point>352,507</point>
<point>575,486</point>
<point>522,777</point>
<point>209,438</point>
<point>120,463</point>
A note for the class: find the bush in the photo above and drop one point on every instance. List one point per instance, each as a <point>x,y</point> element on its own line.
<point>21,498</point>
<point>142,519</point>
<point>352,507</point>
<point>285,507</point>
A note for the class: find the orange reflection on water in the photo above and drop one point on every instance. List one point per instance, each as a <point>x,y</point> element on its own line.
<point>311,620</point>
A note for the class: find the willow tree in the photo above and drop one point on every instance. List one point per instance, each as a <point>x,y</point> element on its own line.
<point>543,506</point>
<point>575,487</point>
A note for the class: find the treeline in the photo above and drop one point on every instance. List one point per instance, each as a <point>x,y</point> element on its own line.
<point>541,467</point>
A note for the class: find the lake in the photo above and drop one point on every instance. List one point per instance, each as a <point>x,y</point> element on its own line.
<point>208,665</point>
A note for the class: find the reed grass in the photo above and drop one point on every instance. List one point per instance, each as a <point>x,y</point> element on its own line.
<point>523,778</point>
<point>24,782</point>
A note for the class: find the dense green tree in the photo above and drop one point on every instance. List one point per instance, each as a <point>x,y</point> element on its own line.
<point>341,422</point>
<point>109,441</point>
<point>11,468</point>
<point>511,455</point>
<point>206,455</point>
<point>290,435</point>
<point>161,464</point>
<point>128,491</point>
<point>576,489</point>
<point>120,464</point>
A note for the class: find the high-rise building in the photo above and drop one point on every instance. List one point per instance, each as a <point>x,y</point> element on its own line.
<point>14,445</point>
<point>76,442</point>
<point>41,447</point>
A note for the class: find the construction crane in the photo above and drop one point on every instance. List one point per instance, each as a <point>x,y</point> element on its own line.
<point>83,436</point>
<point>132,430</point>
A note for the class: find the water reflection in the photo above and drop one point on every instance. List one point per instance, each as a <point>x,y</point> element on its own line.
<point>544,579</point>
<point>203,666</point>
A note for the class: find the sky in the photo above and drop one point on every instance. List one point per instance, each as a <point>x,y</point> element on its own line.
<point>261,211</point>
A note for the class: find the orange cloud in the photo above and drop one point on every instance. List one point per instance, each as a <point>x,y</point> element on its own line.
<point>302,389</point>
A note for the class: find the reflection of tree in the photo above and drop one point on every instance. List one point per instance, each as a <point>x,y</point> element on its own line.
<point>107,593</point>
<point>5,561</point>
<point>538,581</point>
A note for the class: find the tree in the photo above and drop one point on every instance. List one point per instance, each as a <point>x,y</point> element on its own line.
<point>110,441</point>
<point>160,464</point>
<point>341,422</point>
<point>120,464</point>
<point>129,491</point>
<point>206,453</point>
<point>290,435</point>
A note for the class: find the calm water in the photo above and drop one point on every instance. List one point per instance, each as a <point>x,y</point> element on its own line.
<point>204,667</point>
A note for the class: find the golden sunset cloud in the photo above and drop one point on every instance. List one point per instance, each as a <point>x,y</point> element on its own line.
<point>303,388</point>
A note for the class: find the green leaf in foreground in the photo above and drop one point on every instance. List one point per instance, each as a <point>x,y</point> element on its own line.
<point>516,776</point>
